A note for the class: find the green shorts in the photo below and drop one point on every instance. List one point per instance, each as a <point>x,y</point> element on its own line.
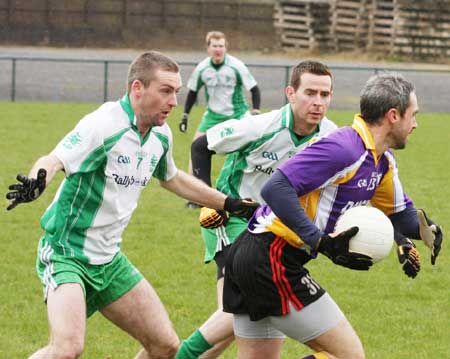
<point>102,284</point>
<point>210,119</point>
<point>216,239</point>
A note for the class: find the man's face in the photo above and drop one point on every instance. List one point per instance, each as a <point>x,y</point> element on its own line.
<point>311,100</point>
<point>217,50</point>
<point>406,125</point>
<point>155,102</point>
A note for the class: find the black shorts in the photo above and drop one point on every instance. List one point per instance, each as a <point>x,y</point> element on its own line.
<point>263,274</point>
<point>220,259</point>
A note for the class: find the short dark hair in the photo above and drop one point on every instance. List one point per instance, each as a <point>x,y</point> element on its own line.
<point>313,67</point>
<point>144,66</point>
<point>383,92</point>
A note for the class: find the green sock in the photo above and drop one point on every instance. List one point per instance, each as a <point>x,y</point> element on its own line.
<point>193,347</point>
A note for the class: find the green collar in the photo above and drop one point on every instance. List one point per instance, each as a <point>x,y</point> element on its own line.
<point>126,106</point>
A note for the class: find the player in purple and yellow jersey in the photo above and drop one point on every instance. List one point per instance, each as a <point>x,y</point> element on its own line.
<point>267,287</point>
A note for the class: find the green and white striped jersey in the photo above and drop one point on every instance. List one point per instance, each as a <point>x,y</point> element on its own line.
<point>223,86</point>
<point>107,164</point>
<point>257,145</point>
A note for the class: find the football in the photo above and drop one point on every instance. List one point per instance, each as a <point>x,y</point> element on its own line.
<point>376,233</point>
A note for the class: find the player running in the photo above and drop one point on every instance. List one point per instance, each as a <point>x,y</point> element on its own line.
<point>256,145</point>
<point>267,287</point>
<point>224,78</point>
<point>108,160</point>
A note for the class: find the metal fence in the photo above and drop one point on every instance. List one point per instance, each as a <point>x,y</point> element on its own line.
<point>45,79</point>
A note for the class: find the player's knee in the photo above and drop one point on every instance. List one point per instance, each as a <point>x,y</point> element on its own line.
<point>166,350</point>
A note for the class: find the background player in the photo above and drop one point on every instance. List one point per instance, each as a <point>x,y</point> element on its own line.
<point>305,196</point>
<point>108,159</point>
<point>224,78</point>
<point>256,145</point>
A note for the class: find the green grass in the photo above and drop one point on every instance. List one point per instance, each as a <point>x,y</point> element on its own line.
<point>396,317</point>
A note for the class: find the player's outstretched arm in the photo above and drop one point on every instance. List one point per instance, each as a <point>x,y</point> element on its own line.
<point>337,249</point>
<point>430,233</point>
<point>31,187</point>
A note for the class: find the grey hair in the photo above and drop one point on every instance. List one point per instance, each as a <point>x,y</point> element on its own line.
<point>383,92</point>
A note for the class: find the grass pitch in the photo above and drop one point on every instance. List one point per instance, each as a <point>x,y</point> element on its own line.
<point>396,317</point>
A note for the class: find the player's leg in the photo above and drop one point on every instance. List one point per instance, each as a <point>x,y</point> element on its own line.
<point>329,334</point>
<point>66,308</point>
<point>141,313</point>
<point>216,334</point>
<point>218,329</point>
<point>257,339</point>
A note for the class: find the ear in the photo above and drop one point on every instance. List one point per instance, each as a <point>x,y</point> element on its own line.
<point>392,115</point>
<point>290,93</point>
<point>137,86</point>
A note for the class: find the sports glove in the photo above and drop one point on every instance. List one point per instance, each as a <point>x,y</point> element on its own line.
<point>28,190</point>
<point>336,248</point>
<point>212,218</point>
<point>431,234</point>
<point>184,123</point>
<point>240,207</point>
<point>408,255</point>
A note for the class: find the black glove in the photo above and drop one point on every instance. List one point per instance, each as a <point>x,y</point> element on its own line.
<point>430,233</point>
<point>240,207</point>
<point>336,248</point>
<point>28,190</point>
<point>408,255</point>
<point>184,123</point>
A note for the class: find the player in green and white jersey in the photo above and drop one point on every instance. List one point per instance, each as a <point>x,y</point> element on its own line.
<point>256,146</point>
<point>224,78</point>
<point>108,159</point>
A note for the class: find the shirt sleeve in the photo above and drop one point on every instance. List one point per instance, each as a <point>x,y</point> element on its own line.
<point>82,149</point>
<point>195,81</point>
<point>232,135</point>
<point>247,78</point>
<point>166,168</point>
<point>319,164</point>
<point>389,196</point>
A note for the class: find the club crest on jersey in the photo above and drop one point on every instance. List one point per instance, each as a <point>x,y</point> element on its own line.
<point>71,141</point>
<point>227,131</point>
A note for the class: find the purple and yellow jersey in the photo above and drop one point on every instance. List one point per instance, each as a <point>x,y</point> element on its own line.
<point>337,172</point>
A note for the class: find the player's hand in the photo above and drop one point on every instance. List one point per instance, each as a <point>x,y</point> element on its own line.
<point>212,218</point>
<point>430,233</point>
<point>240,207</point>
<point>337,249</point>
<point>28,190</point>
<point>409,257</point>
<point>183,125</point>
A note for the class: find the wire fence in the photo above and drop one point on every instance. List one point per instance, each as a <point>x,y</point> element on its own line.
<point>46,79</point>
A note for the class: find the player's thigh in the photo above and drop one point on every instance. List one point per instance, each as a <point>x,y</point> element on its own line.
<point>141,313</point>
<point>66,309</point>
<point>258,348</point>
<point>340,341</point>
<point>257,339</point>
<point>323,327</point>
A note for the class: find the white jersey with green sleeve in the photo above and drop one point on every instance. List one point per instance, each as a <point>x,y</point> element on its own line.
<point>257,145</point>
<point>107,164</point>
<point>223,85</point>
